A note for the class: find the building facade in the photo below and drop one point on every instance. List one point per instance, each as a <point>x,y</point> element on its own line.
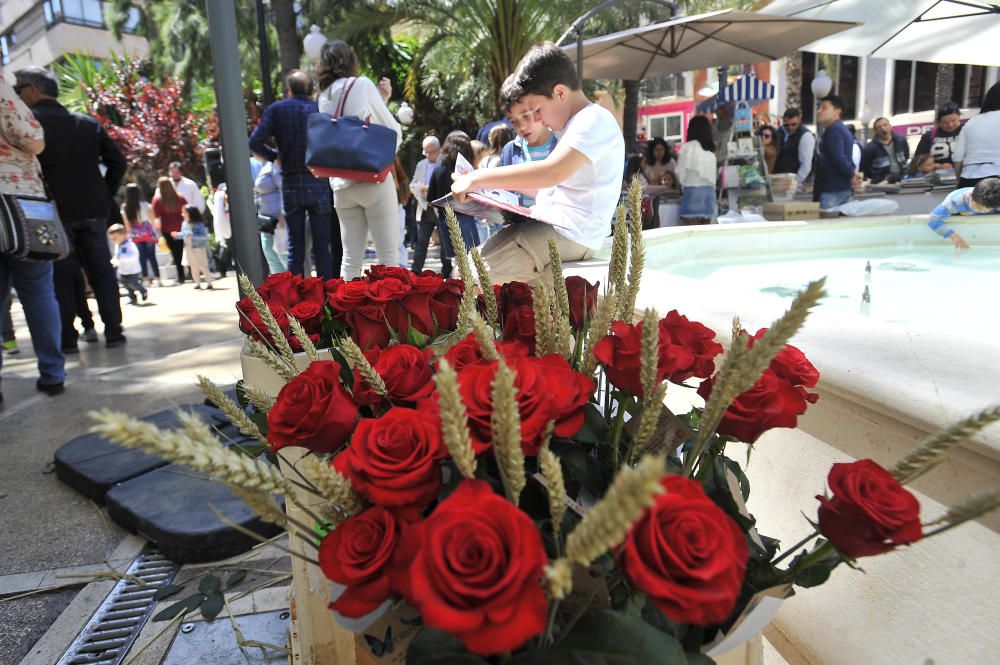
<point>34,32</point>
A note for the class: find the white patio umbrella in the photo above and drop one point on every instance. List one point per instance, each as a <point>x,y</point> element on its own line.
<point>959,31</point>
<point>705,40</point>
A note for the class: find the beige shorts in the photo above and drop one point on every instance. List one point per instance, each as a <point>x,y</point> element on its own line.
<point>520,253</point>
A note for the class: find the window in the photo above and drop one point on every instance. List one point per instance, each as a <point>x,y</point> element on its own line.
<point>843,69</point>
<point>915,83</point>
<point>671,85</point>
<point>89,13</point>
<point>669,126</point>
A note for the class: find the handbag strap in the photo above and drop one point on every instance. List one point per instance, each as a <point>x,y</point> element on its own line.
<point>343,98</point>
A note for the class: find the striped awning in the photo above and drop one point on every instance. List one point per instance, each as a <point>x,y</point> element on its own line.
<point>747,89</point>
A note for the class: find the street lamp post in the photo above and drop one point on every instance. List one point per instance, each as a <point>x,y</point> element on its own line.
<point>821,86</point>
<point>313,43</point>
<point>267,92</point>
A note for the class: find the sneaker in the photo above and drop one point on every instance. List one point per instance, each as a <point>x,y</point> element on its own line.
<point>89,336</point>
<point>69,350</point>
<point>145,296</point>
<point>11,347</point>
<point>159,282</point>
<point>197,287</point>
<point>132,300</point>
<point>51,389</point>
<point>117,341</point>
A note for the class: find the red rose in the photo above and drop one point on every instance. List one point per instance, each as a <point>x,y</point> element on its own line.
<point>411,311</point>
<point>569,391</point>
<point>696,338</point>
<point>870,512</point>
<point>621,351</point>
<point>533,401</point>
<point>368,327</point>
<point>512,295</point>
<point>250,321</point>
<point>349,296</point>
<point>313,410</point>
<point>380,272</point>
<point>309,314</point>
<point>444,304</point>
<point>313,289</point>
<point>395,460</point>
<point>687,555</point>
<point>358,555</point>
<point>333,285</point>
<point>519,326</point>
<point>792,365</point>
<point>280,289</point>
<point>481,303</point>
<point>474,570</point>
<point>772,402</point>
<point>582,301</point>
<point>405,370</point>
<point>467,352</point>
<point>296,345</point>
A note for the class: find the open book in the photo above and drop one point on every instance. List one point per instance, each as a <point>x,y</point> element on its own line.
<point>485,203</point>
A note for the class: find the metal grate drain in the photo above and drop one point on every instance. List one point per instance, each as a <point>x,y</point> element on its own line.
<point>110,632</point>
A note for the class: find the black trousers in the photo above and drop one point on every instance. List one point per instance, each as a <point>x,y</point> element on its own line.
<point>82,307</point>
<point>425,228</point>
<point>90,251</point>
<point>176,246</point>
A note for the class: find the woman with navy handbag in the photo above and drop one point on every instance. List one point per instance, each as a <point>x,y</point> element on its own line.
<point>363,207</point>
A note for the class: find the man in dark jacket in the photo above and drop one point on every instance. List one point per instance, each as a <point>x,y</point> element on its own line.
<point>834,165</point>
<point>885,157</point>
<point>797,147</point>
<point>76,146</point>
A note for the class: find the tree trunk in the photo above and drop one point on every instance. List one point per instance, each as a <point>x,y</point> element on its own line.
<point>793,80</point>
<point>944,85</point>
<point>630,115</point>
<point>289,43</point>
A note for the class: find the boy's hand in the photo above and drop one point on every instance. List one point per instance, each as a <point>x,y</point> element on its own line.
<point>958,241</point>
<point>461,186</point>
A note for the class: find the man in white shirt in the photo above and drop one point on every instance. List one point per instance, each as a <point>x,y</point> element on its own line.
<point>427,219</point>
<point>186,187</point>
<point>578,184</point>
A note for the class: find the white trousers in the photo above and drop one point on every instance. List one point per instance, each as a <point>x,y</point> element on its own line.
<point>365,208</point>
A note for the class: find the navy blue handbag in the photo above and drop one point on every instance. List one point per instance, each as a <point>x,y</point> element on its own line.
<point>347,147</point>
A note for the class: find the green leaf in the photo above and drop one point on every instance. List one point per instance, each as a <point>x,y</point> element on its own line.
<point>416,338</point>
<point>180,607</point>
<point>818,572</point>
<point>166,591</point>
<point>594,430</point>
<point>609,638</point>
<point>209,584</point>
<point>234,579</point>
<point>241,396</point>
<point>212,606</point>
<point>434,647</point>
<point>49,468</point>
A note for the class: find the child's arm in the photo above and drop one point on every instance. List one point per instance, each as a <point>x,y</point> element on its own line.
<point>554,169</point>
<point>955,203</point>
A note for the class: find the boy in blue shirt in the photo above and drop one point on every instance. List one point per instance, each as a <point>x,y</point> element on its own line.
<point>983,199</point>
<point>534,140</point>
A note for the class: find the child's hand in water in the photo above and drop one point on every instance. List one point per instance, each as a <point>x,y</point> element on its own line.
<point>958,241</point>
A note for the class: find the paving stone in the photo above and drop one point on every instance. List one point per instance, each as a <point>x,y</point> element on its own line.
<point>91,464</point>
<point>170,507</point>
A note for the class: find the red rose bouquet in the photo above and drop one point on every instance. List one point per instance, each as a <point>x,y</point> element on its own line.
<point>497,462</point>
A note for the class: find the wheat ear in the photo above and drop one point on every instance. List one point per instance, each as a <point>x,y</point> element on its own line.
<point>260,399</point>
<point>506,429</point>
<point>284,349</point>
<point>929,453</point>
<point>300,334</point>
<point>273,361</point>
<point>599,325</point>
<point>454,421</point>
<point>468,302</point>
<point>487,287</point>
<point>554,481</point>
<point>619,253</point>
<point>637,251</point>
<point>233,411</point>
<point>331,485</point>
<point>356,359</point>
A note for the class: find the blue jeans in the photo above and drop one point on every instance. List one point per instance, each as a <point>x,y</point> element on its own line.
<point>305,196</point>
<point>147,256</point>
<point>33,283</point>
<point>829,200</point>
<point>275,263</point>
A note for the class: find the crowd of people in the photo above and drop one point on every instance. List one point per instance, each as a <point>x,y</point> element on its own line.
<point>560,154</point>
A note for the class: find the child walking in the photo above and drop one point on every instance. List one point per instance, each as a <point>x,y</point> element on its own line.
<point>126,259</point>
<point>135,211</point>
<point>195,235</point>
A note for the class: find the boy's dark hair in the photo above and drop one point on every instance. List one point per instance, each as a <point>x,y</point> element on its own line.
<point>194,215</point>
<point>836,101</point>
<point>987,193</point>
<point>509,93</point>
<point>950,108</point>
<point>700,130</point>
<point>991,102</point>
<point>792,112</point>
<point>541,69</point>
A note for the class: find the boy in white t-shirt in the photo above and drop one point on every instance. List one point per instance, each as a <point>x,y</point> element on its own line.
<point>578,184</point>
<point>126,259</point>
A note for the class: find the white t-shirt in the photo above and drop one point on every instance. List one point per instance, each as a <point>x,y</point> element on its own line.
<point>220,214</point>
<point>978,146</point>
<point>189,189</point>
<point>696,167</point>
<point>127,258</point>
<point>582,206</point>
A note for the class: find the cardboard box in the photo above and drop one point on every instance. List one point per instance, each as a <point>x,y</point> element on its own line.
<point>791,211</point>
